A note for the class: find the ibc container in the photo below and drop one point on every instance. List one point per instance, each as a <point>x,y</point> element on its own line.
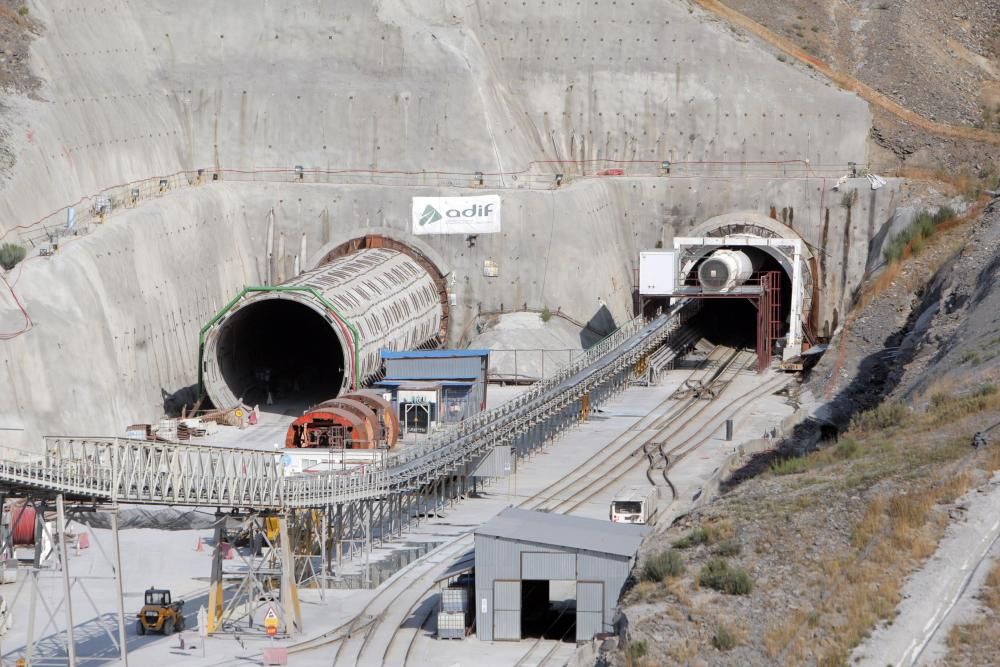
<point>451,625</point>
<point>454,600</point>
<point>167,429</point>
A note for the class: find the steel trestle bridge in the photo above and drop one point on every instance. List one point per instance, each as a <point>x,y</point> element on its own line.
<point>117,470</point>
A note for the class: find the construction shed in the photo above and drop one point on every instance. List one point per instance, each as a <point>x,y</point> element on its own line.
<point>550,575</point>
<point>435,387</point>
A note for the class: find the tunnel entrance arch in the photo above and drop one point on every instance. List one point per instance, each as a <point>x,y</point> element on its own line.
<point>761,284</point>
<point>751,244</point>
<point>756,225</point>
<point>320,333</point>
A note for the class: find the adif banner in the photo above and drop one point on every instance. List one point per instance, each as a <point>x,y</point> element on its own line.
<point>456,215</point>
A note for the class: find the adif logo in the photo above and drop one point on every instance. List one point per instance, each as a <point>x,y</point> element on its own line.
<point>456,215</point>
<point>429,215</point>
<point>474,211</point>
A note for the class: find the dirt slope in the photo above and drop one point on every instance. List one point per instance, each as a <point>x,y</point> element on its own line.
<point>930,68</point>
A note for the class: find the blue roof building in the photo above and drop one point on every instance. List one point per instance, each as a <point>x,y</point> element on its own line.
<point>431,388</point>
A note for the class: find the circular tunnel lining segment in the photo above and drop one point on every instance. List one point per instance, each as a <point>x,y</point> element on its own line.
<point>321,332</point>
<point>280,347</point>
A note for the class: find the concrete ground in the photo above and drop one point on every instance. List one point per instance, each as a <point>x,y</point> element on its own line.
<point>170,559</point>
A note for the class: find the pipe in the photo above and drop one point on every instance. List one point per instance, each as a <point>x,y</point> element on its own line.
<point>725,269</point>
<point>320,333</point>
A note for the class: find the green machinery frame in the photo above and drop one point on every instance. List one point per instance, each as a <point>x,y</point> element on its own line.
<point>277,288</point>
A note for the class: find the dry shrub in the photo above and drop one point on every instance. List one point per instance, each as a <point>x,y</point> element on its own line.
<point>980,633</point>
<point>990,594</point>
<point>684,650</point>
<point>778,637</point>
<point>954,487</point>
<point>989,460</point>
<point>910,509</point>
<point>971,633</point>
<point>645,590</point>
<point>883,282</point>
<point>831,568</point>
<point>14,16</point>
<point>870,523</point>
<point>718,530</point>
<point>677,588</point>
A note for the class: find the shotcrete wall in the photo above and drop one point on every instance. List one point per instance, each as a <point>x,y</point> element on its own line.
<point>137,90</point>
<point>107,349</point>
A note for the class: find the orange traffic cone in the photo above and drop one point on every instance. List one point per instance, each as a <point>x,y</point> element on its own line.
<point>200,547</point>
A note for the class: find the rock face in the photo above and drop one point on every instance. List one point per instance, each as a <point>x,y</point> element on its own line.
<point>956,341</point>
<point>941,60</point>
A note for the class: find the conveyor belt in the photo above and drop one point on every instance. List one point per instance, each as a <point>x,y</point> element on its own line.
<point>127,471</point>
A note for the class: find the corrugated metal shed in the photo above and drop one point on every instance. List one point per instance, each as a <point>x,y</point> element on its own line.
<point>433,354</point>
<point>436,364</point>
<point>519,545</point>
<point>564,531</point>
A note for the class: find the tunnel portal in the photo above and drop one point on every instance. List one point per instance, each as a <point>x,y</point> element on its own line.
<point>733,321</point>
<point>319,334</point>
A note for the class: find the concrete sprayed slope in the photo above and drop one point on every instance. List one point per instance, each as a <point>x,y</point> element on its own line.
<point>140,89</point>
<point>117,313</point>
<point>116,318</point>
<point>133,90</point>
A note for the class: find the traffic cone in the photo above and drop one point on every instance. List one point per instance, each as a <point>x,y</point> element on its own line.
<point>200,547</point>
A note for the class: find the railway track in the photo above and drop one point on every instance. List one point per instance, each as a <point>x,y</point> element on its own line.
<point>682,449</point>
<point>379,635</point>
<point>618,461</point>
<point>354,638</point>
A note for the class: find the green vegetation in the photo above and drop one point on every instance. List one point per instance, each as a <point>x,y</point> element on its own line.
<point>945,408</point>
<point>913,238</point>
<point>714,531</point>
<point>23,10</point>
<point>847,448</point>
<point>546,314</point>
<point>728,548</point>
<point>791,465</point>
<point>971,357</point>
<point>719,575</point>
<point>724,639</point>
<point>697,536</point>
<point>637,649</point>
<point>11,254</point>
<point>883,416</point>
<point>665,564</point>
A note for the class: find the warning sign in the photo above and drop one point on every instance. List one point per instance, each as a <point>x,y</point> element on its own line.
<point>271,622</point>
